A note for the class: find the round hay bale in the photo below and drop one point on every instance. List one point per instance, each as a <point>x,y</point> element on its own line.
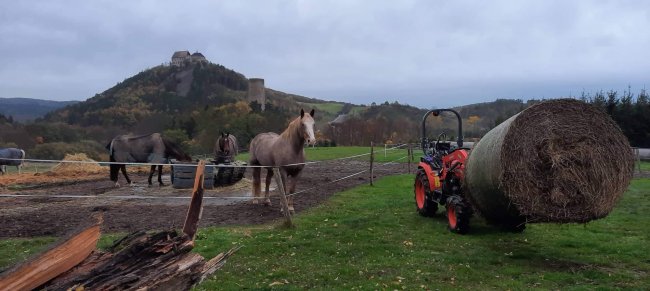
<point>64,168</point>
<point>557,161</point>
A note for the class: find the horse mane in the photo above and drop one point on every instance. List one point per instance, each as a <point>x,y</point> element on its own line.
<point>171,148</point>
<point>292,130</point>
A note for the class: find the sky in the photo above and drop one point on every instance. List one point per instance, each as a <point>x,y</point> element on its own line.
<point>423,53</point>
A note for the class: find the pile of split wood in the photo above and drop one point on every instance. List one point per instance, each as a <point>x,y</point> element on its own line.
<point>160,260</point>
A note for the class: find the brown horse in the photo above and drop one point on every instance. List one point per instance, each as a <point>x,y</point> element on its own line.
<point>151,148</point>
<point>225,149</point>
<point>284,150</point>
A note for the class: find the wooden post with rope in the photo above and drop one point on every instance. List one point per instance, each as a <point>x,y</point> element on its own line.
<point>283,196</point>
<point>409,156</point>
<point>637,158</point>
<point>372,160</point>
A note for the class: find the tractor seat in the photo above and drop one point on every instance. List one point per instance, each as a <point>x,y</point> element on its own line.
<point>443,146</point>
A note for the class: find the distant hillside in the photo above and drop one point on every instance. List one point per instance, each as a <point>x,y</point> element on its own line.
<point>28,109</point>
<point>193,103</point>
<point>162,90</point>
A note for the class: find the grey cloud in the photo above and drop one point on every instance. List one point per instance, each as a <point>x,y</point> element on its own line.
<point>453,52</point>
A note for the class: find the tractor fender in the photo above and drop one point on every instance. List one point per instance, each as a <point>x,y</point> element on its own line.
<point>434,181</point>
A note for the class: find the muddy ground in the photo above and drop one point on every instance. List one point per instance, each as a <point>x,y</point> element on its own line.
<point>128,208</point>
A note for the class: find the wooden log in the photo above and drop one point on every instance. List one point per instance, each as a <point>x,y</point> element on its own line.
<point>53,262</point>
<point>143,261</point>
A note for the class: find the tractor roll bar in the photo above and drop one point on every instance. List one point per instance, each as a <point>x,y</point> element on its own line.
<point>437,112</point>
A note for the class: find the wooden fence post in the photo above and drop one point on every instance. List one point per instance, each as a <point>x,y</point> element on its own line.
<point>283,196</point>
<point>637,155</point>
<point>372,160</point>
<point>408,156</point>
<point>195,211</point>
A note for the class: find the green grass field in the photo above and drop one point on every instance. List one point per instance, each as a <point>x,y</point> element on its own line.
<point>645,166</point>
<point>331,153</point>
<point>329,107</point>
<point>372,238</point>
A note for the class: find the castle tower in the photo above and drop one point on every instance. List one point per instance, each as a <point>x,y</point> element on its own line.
<point>256,91</point>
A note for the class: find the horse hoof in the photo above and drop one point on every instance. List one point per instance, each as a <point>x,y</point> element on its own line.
<point>131,184</point>
<point>267,202</point>
<point>291,210</point>
<point>117,185</point>
<point>255,201</point>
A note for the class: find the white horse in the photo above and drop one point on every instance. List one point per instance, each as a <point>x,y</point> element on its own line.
<point>283,150</point>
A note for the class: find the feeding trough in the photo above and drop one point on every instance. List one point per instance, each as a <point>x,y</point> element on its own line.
<point>229,173</point>
<point>183,175</point>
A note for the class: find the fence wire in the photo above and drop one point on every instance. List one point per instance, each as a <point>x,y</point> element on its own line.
<point>194,165</point>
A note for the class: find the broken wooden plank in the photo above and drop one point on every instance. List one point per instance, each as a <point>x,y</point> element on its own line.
<point>53,262</point>
<point>196,205</point>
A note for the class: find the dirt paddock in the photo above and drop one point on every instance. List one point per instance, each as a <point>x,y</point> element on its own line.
<point>128,208</point>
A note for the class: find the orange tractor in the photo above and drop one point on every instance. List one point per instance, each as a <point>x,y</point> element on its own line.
<point>440,176</point>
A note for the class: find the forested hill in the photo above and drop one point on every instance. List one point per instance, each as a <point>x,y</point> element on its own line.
<point>28,109</point>
<point>192,104</point>
<point>167,90</point>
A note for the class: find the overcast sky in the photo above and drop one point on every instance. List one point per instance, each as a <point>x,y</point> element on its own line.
<point>423,53</point>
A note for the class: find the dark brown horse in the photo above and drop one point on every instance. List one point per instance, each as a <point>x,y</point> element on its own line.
<point>225,149</point>
<point>284,150</point>
<point>151,148</point>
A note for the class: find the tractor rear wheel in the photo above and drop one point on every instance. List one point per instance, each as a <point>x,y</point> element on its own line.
<point>458,215</point>
<point>423,203</point>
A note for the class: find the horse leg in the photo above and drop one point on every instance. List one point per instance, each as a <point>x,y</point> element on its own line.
<point>257,183</point>
<point>160,175</point>
<point>153,170</point>
<point>292,189</point>
<point>19,167</point>
<point>269,177</point>
<point>128,181</point>
<point>284,179</point>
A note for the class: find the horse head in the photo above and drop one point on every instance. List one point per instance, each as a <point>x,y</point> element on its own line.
<point>175,151</point>
<point>225,146</point>
<point>307,121</point>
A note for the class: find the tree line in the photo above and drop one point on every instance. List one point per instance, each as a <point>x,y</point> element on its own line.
<point>631,113</point>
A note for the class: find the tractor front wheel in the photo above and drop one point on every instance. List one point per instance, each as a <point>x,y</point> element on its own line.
<point>423,204</point>
<point>458,215</point>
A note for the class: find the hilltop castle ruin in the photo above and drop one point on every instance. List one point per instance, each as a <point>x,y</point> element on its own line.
<point>181,58</point>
